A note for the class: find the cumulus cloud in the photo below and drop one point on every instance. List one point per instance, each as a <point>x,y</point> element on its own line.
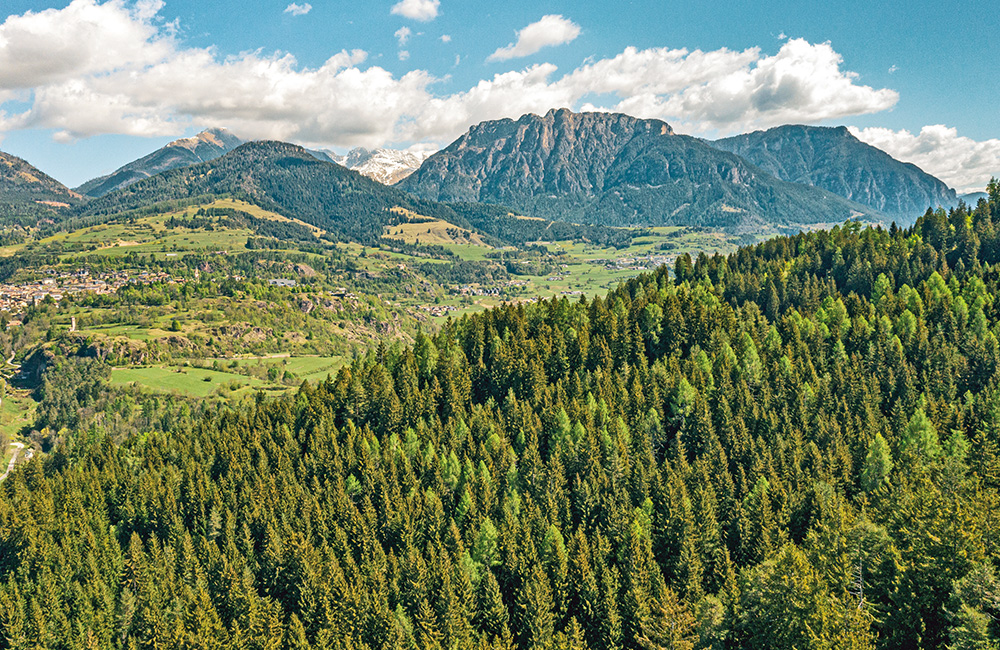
<point>550,30</point>
<point>803,82</point>
<point>84,38</point>
<point>445,38</point>
<point>963,163</point>
<point>298,9</point>
<point>151,84</point>
<point>402,35</point>
<point>422,10</point>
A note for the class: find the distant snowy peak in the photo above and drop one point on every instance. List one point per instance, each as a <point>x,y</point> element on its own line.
<point>387,166</point>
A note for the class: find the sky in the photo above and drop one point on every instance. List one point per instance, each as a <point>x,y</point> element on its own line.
<point>89,85</point>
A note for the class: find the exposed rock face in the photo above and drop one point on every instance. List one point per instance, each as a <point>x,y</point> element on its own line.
<point>614,169</point>
<point>34,365</point>
<point>558,153</point>
<point>207,145</point>
<point>835,160</point>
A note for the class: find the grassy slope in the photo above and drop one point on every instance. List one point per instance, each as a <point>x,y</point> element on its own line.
<point>149,235</point>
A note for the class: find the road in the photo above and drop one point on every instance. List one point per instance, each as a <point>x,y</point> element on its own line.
<point>13,459</point>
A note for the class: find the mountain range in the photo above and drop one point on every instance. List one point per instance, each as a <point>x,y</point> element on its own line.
<point>207,145</point>
<point>617,170</point>
<point>386,166</point>
<point>603,169</point>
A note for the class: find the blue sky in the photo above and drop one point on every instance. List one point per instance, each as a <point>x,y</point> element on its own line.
<point>88,85</point>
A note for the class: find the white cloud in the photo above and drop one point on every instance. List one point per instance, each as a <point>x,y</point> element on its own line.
<point>116,68</point>
<point>84,38</point>
<point>803,82</point>
<point>550,30</point>
<point>298,9</point>
<point>445,38</point>
<point>893,69</point>
<point>403,55</point>
<point>963,163</point>
<point>422,10</point>
<point>402,35</point>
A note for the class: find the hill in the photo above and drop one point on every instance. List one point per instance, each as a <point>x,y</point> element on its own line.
<point>207,145</point>
<point>835,160</point>
<point>613,169</point>
<point>28,194</point>
<point>285,179</point>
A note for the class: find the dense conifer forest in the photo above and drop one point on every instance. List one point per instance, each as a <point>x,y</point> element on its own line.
<point>796,446</point>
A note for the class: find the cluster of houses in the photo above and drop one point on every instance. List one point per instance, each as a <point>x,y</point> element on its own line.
<point>646,262</point>
<point>14,298</point>
<point>477,290</point>
<point>438,310</point>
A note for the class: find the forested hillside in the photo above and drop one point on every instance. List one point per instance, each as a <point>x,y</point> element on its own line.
<point>797,446</point>
<point>286,179</point>
<point>28,195</point>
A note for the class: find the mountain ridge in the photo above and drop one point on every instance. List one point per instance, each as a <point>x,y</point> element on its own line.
<point>833,159</point>
<point>28,195</point>
<point>614,169</point>
<point>203,147</point>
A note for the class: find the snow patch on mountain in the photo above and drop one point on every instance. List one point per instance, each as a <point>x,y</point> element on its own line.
<point>387,166</point>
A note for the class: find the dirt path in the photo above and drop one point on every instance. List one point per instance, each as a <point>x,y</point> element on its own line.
<point>13,459</point>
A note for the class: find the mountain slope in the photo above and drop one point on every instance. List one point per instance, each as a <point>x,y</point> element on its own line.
<point>207,145</point>
<point>613,169</point>
<point>28,194</point>
<point>833,159</point>
<point>286,179</point>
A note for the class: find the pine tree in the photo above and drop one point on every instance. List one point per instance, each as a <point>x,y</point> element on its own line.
<point>492,617</point>
<point>919,441</point>
<point>878,464</point>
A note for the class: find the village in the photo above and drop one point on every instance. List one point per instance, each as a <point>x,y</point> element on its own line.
<point>14,298</point>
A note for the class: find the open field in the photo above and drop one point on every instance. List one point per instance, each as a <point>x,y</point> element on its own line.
<point>150,234</point>
<point>311,368</point>
<point>17,411</point>
<point>433,231</point>
<point>204,382</point>
<point>197,382</point>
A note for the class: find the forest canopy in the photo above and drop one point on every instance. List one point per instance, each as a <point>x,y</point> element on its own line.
<point>795,446</point>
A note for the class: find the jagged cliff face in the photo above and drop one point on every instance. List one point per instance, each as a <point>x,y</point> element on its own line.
<point>833,159</point>
<point>614,169</point>
<point>207,145</point>
<point>558,153</point>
